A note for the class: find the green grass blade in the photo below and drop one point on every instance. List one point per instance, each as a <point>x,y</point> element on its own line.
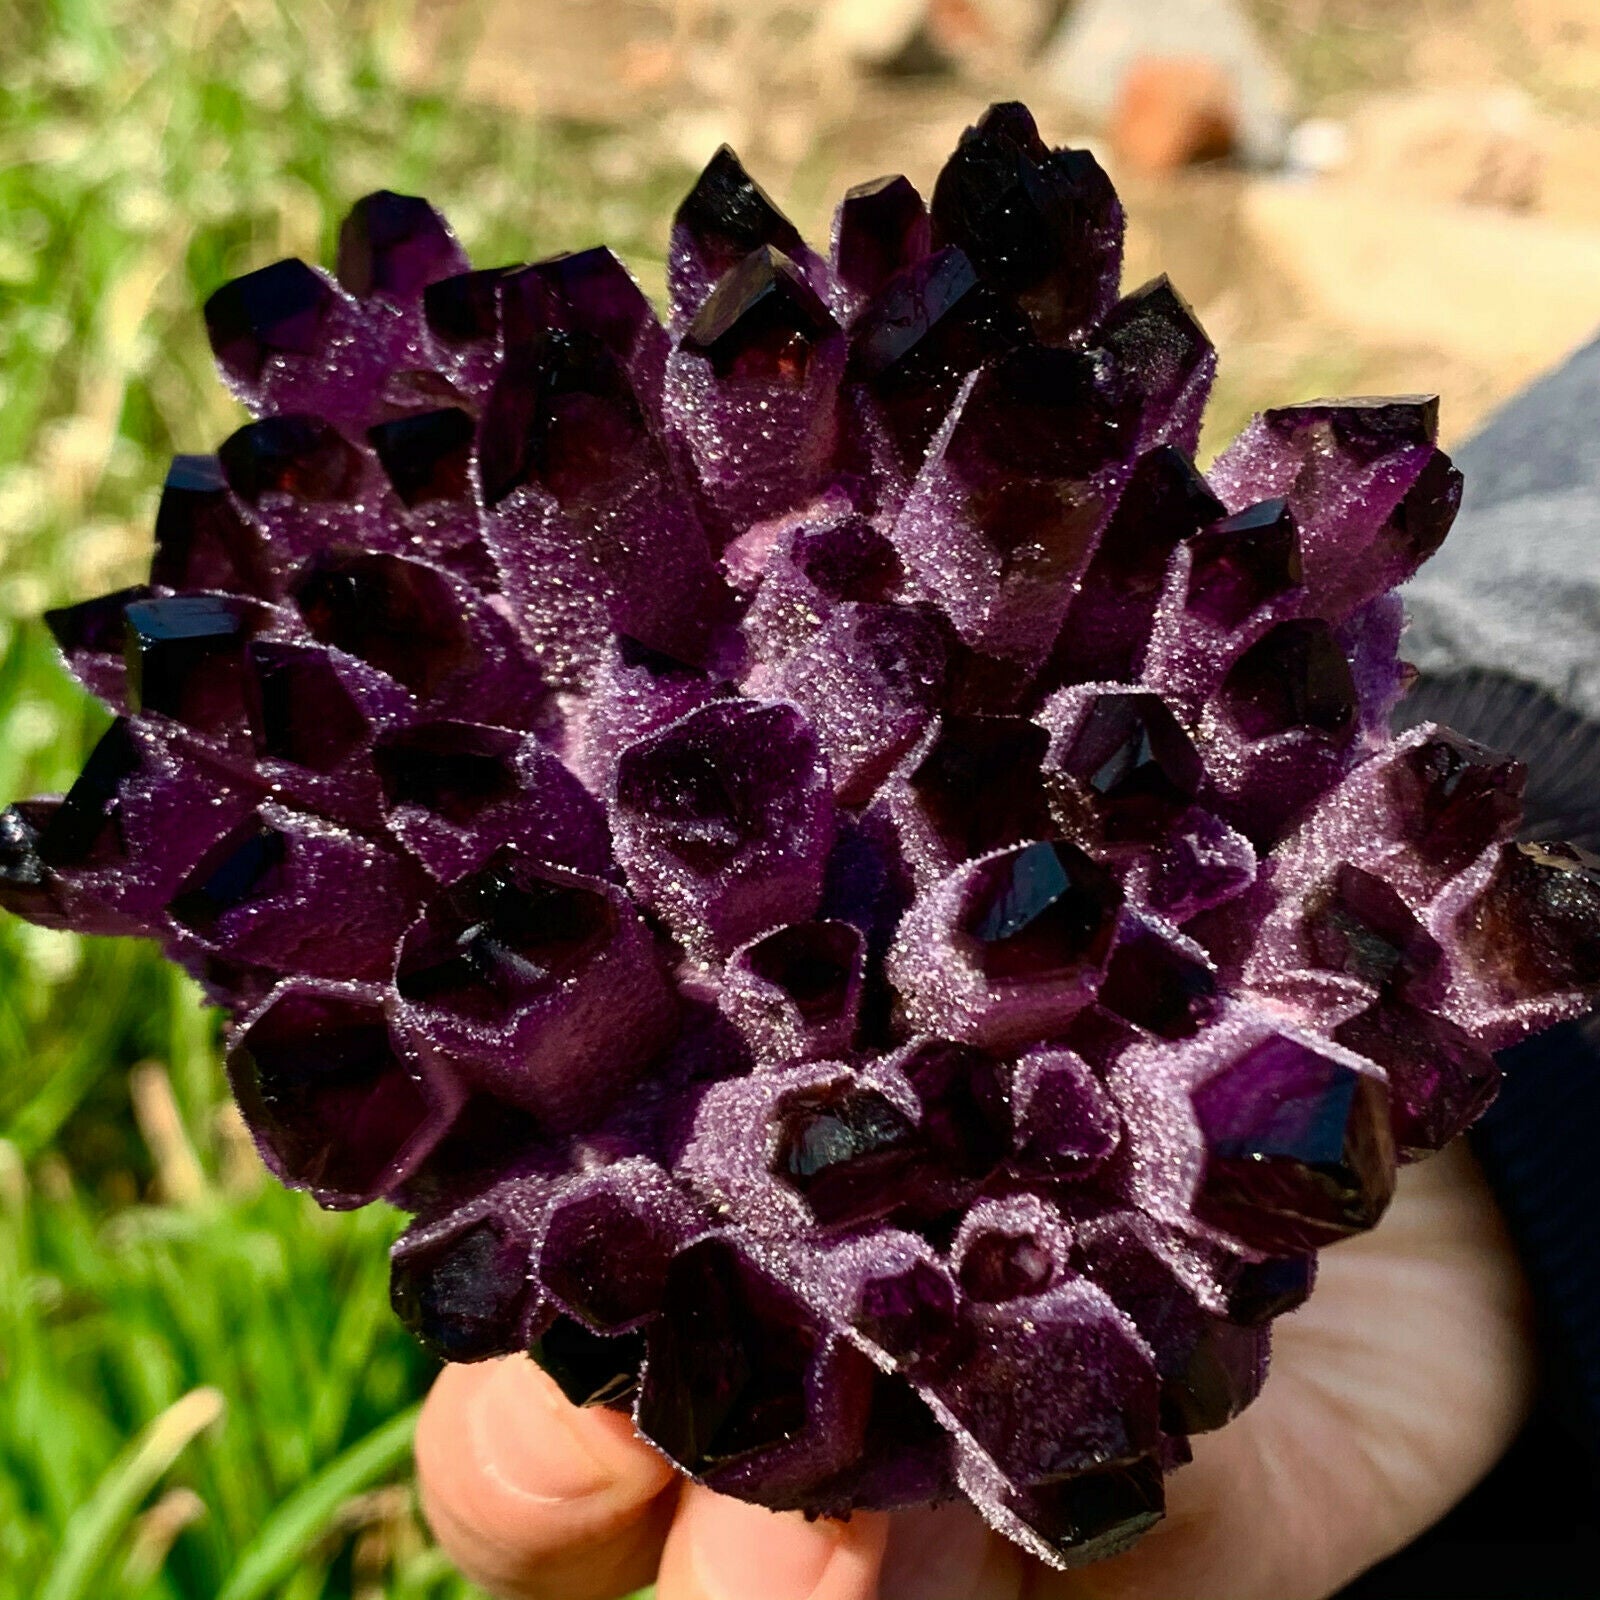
<point>301,1519</point>
<point>94,1529</point>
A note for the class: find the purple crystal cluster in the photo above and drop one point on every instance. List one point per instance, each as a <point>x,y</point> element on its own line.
<point>870,909</point>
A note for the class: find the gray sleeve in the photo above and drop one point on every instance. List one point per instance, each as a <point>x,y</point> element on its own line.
<point>1516,587</point>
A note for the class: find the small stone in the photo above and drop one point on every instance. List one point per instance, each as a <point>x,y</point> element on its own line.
<point>185,658</point>
<point>1158,987</point>
<point>394,246</point>
<point>278,310</point>
<point>300,710</point>
<point>847,1150</point>
<point>981,784</point>
<point>1066,1126</point>
<point>880,227</point>
<point>294,455</point>
<point>1173,112</point>
<point>396,615</point>
<point>590,1369</point>
<point>427,456</point>
<point>1294,676</point>
<point>1043,225</point>
<point>761,322</point>
<point>1138,766</point>
<point>201,540</point>
<point>1240,563</point>
<point>1360,926</point>
<point>1041,911</point>
<point>464,1297</point>
<point>1299,1151</point>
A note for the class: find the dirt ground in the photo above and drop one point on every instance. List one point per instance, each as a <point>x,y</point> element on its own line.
<point>1447,238</point>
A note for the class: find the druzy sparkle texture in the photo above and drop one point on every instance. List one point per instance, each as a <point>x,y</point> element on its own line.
<point>869,909</point>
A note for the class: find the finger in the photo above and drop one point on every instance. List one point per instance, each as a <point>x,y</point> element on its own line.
<point>1393,1390</point>
<point>533,1498</point>
<point>948,1553</point>
<point>722,1549</point>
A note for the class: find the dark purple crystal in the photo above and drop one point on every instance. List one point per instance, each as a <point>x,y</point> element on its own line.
<point>1039,910</point>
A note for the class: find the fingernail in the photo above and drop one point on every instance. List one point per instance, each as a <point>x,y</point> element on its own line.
<point>534,1444</point>
<point>745,1552</point>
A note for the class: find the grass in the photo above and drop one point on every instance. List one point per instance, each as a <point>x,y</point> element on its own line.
<point>202,1391</point>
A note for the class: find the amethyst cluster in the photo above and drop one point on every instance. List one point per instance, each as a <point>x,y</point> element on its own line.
<point>870,909</point>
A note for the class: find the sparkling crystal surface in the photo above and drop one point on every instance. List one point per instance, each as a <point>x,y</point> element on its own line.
<point>867,907</point>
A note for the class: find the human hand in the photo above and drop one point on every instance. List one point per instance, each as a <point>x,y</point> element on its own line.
<point>1392,1391</point>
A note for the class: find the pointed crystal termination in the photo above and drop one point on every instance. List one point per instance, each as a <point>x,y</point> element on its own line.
<point>917,339</point>
<point>1095,1515</point>
<point>1456,798</point>
<point>394,246</point>
<point>300,709</point>
<point>1537,928</point>
<point>185,659</point>
<point>1299,1151</point>
<point>813,963</point>
<point>398,616</point>
<point>879,228</point>
<point>1159,348</point>
<point>846,1149</point>
<point>278,310</point>
<point>761,321</point>
<point>1164,502</point>
<point>1044,226</point>
<point>981,784</point>
<point>334,1107</point>
<point>723,820</point>
<point>201,540</point>
<point>92,637</point>
<point>465,1297</point>
<point>83,830</point>
<point>1243,561</point>
<point>1440,1080</point>
<point>1041,910</point>
<point>727,1361</point>
<point>721,220</point>
<point>1158,987</point>
<point>465,309</point>
<point>1361,927</point>
<point>1135,762</point>
<point>590,1369</point>
<point>1294,676</point>
<point>292,455</point>
<point>427,456</point>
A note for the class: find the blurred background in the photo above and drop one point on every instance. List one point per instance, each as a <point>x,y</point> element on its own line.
<point>202,1393</point>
